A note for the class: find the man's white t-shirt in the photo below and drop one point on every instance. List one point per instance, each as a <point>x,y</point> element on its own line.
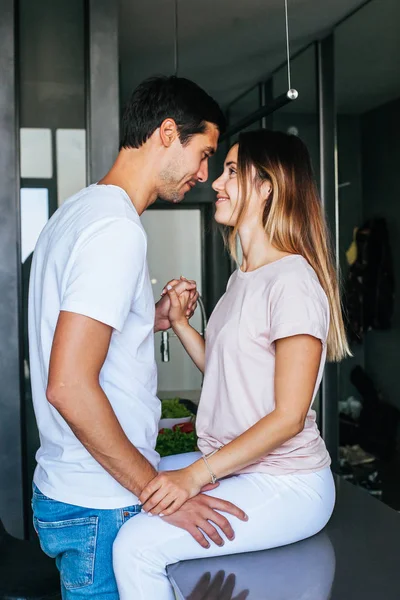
<point>90,259</point>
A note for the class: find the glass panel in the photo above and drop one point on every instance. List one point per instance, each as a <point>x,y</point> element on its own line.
<point>368,106</point>
<point>34,216</point>
<point>71,162</point>
<point>36,153</point>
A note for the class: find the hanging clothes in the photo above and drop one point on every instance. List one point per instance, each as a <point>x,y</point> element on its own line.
<point>369,290</point>
<point>351,254</point>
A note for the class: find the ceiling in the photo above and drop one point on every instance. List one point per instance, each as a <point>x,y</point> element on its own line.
<point>228,46</point>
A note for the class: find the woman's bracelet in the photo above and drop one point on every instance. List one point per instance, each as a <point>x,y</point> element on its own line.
<point>212,474</point>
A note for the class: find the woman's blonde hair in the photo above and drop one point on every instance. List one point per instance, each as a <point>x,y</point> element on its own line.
<point>293,215</point>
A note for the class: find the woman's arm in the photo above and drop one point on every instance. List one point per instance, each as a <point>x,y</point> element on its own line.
<point>191,340</point>
<point>297,361</point>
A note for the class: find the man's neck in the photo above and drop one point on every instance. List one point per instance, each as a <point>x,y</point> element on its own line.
<point>133,171</point>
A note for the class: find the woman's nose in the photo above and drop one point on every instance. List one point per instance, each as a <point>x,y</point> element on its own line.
<point>218,184</point>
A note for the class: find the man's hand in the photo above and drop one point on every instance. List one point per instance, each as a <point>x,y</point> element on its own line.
<point>217,589</point>
<point>162,322</point>
<point>195,516</point>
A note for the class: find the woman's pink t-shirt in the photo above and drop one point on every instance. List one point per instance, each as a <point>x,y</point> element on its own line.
<point>278,300</point>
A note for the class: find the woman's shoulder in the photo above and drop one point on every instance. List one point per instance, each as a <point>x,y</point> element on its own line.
<point>297,302</point>
<point>294,276</point>
<point>294,267</point>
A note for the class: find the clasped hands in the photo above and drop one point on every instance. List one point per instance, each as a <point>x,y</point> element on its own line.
<point>178,301</point>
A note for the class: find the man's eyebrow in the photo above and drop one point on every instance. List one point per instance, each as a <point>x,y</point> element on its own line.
<point>210,150</point>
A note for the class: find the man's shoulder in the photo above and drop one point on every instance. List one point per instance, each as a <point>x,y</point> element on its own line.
<point>96,205</point>
<point>93,211</point>
<point>104,201</point>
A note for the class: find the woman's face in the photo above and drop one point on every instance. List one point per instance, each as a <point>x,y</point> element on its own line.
<point>227,188</point>
<point>228,197</point>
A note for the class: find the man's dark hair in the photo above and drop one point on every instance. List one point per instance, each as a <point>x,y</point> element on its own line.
<point>160,98</point>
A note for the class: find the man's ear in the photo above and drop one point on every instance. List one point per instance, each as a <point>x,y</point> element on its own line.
<point>168,132</point>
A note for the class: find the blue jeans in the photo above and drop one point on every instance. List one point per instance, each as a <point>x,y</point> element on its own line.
<point>80,540</point>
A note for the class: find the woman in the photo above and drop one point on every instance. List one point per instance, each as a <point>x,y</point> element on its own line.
<point>267,341</point>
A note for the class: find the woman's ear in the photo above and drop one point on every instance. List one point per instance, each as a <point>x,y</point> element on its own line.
<point>266,190</point>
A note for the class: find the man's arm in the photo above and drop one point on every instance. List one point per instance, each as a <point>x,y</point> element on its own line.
<point>79,350</point>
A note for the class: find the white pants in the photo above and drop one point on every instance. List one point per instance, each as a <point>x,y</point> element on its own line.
<point>281,509</point>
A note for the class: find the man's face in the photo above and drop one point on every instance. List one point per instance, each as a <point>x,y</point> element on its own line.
<point>186,165</point>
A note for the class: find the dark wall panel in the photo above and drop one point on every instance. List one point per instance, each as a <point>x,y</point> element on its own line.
<point>52,71</point>
<point>11,495</point>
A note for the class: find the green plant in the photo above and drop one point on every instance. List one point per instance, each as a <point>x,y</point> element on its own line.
<point>176,441</point>
<point>172,409</point>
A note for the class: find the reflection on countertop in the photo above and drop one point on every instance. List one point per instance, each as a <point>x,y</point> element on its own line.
<point>356,557</point>
<point>300,571</point>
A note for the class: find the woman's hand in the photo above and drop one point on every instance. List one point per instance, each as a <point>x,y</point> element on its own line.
<point>166,493</point>
<point>178,312</point>
<point>162,321</point>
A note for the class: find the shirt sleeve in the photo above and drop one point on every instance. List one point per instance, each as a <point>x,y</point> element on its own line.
<point>105,272</point>
<point>298,307</point>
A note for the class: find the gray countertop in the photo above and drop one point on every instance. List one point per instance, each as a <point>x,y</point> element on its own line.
<point>356,557</point>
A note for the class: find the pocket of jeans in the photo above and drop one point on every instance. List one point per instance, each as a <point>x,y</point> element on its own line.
<point>73,544</point>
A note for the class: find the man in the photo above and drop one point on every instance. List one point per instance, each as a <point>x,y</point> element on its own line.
<point>91,323</point>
